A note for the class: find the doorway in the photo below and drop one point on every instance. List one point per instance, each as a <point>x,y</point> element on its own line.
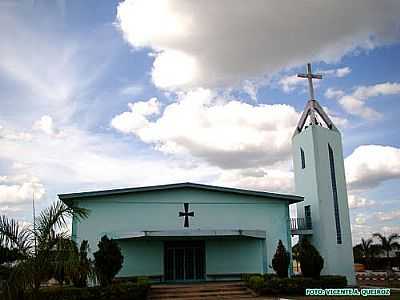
<point>184,260</point>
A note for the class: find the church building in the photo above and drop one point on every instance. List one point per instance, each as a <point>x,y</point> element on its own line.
<point>188,231</point>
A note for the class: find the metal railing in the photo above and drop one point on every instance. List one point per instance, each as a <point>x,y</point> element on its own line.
<point>300,223</point>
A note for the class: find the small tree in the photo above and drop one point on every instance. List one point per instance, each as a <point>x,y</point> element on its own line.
<point>311,262</point>
<point>84,268</point>
<point>108,260</point>
<point>281,260</point>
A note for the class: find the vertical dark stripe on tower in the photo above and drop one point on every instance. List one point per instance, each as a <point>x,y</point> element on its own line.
<point>335,196</point>
<point>303,158</point>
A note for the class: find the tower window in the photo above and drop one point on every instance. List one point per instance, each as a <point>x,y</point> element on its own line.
<point>303,158</point>
<point>335,196</point>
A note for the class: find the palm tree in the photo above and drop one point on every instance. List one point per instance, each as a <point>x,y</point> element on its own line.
<point>365,251</point>
<point>365,247</point>
<point>388,244</point>
<point>39,248</point>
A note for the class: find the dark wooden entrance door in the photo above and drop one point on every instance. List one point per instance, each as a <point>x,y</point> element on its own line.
<point>184,260</point>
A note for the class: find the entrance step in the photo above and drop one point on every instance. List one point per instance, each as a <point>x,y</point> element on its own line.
<point>200,291</point>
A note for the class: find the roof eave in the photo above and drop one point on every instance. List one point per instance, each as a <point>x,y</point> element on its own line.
<point>291,198</point>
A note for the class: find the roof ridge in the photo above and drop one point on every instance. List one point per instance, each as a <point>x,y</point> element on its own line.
<point>290,197</point>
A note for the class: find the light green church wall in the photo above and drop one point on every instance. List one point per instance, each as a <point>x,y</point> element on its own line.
<point>142,257</point>
<point>158,210</point>
<point>234,256</point>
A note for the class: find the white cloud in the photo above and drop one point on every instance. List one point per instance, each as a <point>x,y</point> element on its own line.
<point>251,89</point>
<point>173,69</point>
<point>135,120</point>
<point>331,93</point>
<point>202,43</point>
<point>46,125</point>
<point>357,201</point>
<point>360,219</point>
<point>11,134</point>
<point>340,72</point>
<point>355,103</point>
<point>131,90</point>
<point>289,83</point>
<point>264,179</point>
<point>359,231</point>
<point>356,106</point>
<point>18,190</point>
<point>336,119</point>
<point>225,133</point>
<point>388,216</point>
<point>387,88</point>
<point>370,165</point>
<point>88,160</point>
<point>387,230</point>
<point>50,72</point>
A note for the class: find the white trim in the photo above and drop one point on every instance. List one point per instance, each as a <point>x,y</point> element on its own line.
<point>258,234</point>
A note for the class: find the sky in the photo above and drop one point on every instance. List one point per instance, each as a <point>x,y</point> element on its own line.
<point>112,94</point>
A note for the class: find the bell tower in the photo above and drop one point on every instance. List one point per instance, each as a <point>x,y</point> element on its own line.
<point>320,178</point>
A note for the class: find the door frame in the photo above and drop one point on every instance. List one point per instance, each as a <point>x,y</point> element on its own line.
<point>176,244</point>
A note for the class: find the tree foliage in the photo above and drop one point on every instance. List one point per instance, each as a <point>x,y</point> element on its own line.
<point>8,255</point>
<point>311,262</point>
<point>84,268</point>
<point>108,260</point>
<point>43,250</point>
<point>281,260</point>
<point>387,243</point>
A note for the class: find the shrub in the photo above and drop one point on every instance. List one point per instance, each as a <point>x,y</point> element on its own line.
<point>256,282</point>
<point>268,276</point>
<point>108,260</point>
<point>311,262</point>
<point>293,286</point>
<point>281,261</point>
<point>246,276</point>
<point>123,291</point>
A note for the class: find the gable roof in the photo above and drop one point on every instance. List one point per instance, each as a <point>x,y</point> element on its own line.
<point>291,198</point>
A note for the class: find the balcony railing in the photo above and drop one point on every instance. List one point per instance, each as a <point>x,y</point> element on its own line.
<point>300,224</point>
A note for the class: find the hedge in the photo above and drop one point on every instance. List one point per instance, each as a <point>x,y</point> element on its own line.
<point>272,285</point>
<point>120,291</point>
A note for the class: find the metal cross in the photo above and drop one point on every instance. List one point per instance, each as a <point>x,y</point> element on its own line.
<point>186,214</point>
<point>310,77</point>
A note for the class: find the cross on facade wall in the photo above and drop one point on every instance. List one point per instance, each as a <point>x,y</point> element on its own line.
<point>186,214</point>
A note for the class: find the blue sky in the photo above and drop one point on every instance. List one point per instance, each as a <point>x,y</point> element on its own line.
<point>104,94</point>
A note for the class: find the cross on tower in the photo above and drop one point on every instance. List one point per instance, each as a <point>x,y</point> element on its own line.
<point>310,76</point>
<point>186,214</point>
